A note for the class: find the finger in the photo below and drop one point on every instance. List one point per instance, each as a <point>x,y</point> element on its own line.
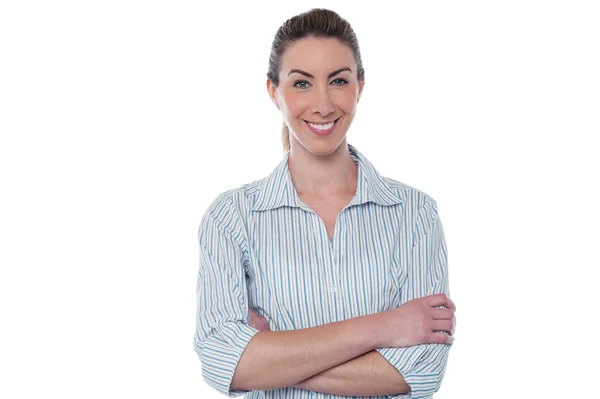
<point>450,304</point>
<point>263,324</point>
<point>442,325</point>
<point>437,300</point>
<point>252,318</point>
<point>441,338</point>
<point>442,313</point>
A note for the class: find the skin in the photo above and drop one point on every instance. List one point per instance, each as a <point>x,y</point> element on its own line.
<point>321,167</point>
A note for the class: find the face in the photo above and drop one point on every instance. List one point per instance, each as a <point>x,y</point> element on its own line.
<point>317,87</point>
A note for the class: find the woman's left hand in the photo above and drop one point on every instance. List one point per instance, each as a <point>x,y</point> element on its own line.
<point>257,321</point>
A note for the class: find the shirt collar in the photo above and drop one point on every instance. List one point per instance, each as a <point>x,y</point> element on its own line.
<point>277,189</point>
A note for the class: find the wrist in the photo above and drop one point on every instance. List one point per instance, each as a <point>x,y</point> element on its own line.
<point>375,325</point>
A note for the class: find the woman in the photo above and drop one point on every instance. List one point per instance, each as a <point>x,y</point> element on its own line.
<point>324,276</point>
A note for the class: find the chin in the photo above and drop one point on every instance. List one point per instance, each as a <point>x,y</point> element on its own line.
<point>323,147</point>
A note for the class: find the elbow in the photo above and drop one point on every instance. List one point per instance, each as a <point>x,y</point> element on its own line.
<point>423,385</point>
<point>426,379</point>
<point>221,380</point>
<point>437,382</point>
<point>218,371</point>
<point>220,351</point>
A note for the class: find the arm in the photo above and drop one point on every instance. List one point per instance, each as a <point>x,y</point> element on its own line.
<point>277,359</point>
<point>237,357</point>
<point>222,331</point>
<point>367,375</point>
<point>423,366</point>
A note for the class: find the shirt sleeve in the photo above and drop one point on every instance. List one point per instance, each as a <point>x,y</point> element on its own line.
<point>222,331</point>
<point>423,366</point>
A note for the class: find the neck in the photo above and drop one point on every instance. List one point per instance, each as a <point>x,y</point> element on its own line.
<point>322,176</point>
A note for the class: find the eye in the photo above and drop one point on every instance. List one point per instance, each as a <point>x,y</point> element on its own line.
<point>300,81</point>
<point>305,84</point>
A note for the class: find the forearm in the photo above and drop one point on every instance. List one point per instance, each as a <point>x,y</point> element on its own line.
<point>367,375</point>
<point>278,359</point>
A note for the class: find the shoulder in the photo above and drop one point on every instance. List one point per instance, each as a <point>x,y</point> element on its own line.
<point>229,209</point>
<point>418,206</point>
<point>233,200</point>
<point>412,197</point>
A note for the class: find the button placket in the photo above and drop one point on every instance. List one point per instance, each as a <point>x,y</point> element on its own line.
<point>320,233</point>
<point>338,254</point>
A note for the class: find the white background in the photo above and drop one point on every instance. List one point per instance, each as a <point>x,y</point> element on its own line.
<point>121,121</point>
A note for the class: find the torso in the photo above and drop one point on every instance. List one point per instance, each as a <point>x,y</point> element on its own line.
<point>328,210</point>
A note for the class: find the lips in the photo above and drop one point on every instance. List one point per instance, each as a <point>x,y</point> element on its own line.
<point>319,132</point>
<point>323,132</point>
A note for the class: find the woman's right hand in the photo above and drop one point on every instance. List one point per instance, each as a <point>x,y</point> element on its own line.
<point>414,322</point>
<point>257,321</point>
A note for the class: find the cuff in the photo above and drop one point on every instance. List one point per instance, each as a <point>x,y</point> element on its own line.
<point>221,353</point>
<point>421,366</point>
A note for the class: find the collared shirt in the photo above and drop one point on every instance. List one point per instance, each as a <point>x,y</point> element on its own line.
<point>262,247</point>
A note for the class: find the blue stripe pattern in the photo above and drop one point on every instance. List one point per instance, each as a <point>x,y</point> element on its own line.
<point>262,247</point>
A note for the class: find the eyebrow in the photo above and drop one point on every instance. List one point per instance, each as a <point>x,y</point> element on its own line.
<point>312,77</point>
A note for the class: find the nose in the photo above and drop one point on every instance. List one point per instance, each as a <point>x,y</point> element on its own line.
<point>322,103</point>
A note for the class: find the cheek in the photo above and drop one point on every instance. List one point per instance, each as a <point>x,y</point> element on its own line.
<point>345,100</point>
<point>347,107</point>
<point>295,104</point>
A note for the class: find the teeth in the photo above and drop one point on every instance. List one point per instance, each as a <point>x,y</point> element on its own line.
<point>322,127</point>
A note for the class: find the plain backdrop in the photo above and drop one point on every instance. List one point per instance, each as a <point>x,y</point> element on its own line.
<point>121,121</point>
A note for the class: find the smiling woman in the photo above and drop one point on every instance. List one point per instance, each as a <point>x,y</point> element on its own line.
<point>323,278</point>
<point>321,47</point>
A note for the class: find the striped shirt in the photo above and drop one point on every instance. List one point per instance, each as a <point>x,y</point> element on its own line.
<point>262,247</point>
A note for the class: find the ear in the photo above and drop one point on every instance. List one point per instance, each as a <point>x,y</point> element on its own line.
<point>361,85</point>
<point>272,90</point>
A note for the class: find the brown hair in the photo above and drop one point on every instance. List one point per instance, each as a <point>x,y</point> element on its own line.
<point>317,22</point>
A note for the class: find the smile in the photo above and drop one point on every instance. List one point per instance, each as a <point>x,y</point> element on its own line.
<point>322,129</point>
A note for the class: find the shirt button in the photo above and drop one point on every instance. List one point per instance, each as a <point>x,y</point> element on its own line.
<point>333,288</point>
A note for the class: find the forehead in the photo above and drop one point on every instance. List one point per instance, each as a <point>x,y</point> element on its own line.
<point>318,56</point>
